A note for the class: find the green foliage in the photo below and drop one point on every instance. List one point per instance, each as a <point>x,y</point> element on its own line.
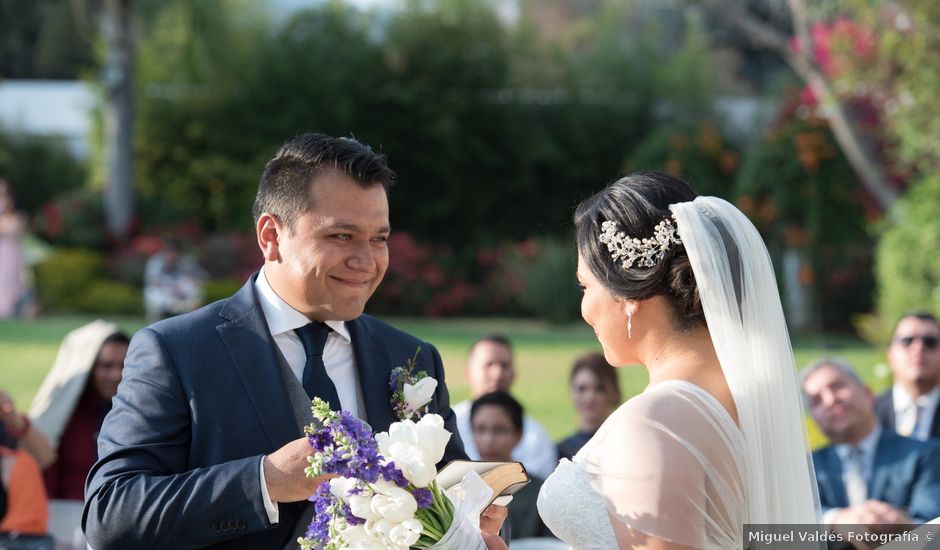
<point>73,219</point>
<point>697,152</point>
<point>907,263</point>
<point>110,298</point>
<point>801,193</point>
<point>38,168</point>
<point>490,128</point>
<point>63,278</point>
<point>217,289</point>
<point>551,287</point>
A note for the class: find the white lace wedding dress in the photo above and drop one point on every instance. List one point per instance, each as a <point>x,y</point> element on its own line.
<point>668,463</point>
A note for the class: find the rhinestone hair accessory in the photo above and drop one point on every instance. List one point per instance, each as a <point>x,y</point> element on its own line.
<point>642,252</point>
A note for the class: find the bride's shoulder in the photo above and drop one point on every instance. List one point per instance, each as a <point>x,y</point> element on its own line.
<point>664,399</point>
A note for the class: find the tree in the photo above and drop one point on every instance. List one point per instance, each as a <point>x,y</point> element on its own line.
<point>797,50</point>
<point>118,82</point>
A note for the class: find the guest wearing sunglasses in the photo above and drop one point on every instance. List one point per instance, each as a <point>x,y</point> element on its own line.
<point>911,406</point>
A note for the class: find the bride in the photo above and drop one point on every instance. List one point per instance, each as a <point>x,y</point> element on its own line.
<point>682,285</point>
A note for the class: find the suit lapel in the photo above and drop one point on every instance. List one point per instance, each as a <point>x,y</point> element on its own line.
<point>374,367</point>
<point>935,425</point>
<point>829,478</point>
<point>245,334</point>
<point>888,445</point>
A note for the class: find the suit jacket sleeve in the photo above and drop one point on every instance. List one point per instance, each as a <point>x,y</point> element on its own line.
<point>925,494</point>
<point>143,492</point>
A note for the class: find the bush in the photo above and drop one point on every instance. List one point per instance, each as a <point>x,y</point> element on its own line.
<point>217,289</point>
<point>75,219</point>
<point>551,286</point>
<point>38,169</point>
<point>110,298</point>
<point>906,261</point>
<point>65,276</point>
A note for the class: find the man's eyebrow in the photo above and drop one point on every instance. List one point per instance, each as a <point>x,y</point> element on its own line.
<point>355,228</point>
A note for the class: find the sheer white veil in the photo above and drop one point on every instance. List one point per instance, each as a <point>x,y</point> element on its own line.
<point>739,295</point>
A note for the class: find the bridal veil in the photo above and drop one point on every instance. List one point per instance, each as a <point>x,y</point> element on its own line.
<point>745,319</point>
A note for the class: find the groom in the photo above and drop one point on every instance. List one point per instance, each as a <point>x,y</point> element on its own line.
<point>203,447</point>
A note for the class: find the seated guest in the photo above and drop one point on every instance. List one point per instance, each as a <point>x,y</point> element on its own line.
<point>26,509</point>
<point>73,400</point>
<point>489,369</point>
<point>496,420</point>
<point>912,406</point>
<point>595,392</point>
<point>172,283</point>
<point>868,475</point>
<point>16,431</point>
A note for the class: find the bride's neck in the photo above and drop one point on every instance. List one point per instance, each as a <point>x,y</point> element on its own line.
<point>682,356</point>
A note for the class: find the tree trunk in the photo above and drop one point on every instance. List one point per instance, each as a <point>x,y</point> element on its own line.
<point>118,82</point>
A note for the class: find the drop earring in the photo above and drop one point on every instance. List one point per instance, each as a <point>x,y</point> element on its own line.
<point>630,324</point>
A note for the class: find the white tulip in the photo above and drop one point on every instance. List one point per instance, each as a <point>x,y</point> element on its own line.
<point>356,536</point>
<point>415,448</point>
<point>406,533</point>
<point>361,506</point>
<point>396,505</point>
<point>419,394</point>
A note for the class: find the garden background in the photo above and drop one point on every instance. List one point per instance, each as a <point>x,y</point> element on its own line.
<point>818,119</point>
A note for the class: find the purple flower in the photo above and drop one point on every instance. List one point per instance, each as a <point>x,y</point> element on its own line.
<point>423,496</point>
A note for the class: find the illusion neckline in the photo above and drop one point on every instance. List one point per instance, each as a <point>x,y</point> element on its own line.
<point>699,389</point>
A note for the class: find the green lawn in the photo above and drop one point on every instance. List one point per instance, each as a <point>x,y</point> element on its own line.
<point>543,355</point>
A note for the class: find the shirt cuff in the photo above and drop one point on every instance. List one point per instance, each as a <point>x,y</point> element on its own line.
<point>830,515</point>
<point>270,507</point>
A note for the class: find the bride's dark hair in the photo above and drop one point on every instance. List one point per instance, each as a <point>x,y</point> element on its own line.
<point>637,203</point>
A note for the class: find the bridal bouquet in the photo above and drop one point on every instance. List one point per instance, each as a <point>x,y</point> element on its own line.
<point>385,495</point>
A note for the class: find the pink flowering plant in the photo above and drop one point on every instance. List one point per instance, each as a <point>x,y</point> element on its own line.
<point>411,391</point>
<point>385,495</point>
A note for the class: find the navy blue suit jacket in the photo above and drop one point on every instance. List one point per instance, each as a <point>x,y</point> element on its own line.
<point>884,408</point>
<point>906,474</point>
<point>201,401</point>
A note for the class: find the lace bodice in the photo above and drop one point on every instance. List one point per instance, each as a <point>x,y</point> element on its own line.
<point>574,511</point>
<point>665,464</point>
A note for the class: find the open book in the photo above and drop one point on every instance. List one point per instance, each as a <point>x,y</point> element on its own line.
<point>505,478</point>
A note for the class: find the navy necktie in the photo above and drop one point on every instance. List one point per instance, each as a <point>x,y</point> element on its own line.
<point>316,381</point>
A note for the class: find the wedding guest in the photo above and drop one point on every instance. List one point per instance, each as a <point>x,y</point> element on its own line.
<point>204,447</point>
<point>912,405</point>
<point>496,421</point>
<point>17,431</point>
<point>172,282</point>
<point>868,475</point>
<point>12,259</point>
<point>595,392</point>
<point>26,509</point>
<point>490,368</point>
<point>73,400</point>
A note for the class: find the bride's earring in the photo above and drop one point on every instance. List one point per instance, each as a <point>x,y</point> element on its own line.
<point>630,324</point>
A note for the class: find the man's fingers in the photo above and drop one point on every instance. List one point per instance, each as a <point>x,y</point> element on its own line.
<point>491,520</point>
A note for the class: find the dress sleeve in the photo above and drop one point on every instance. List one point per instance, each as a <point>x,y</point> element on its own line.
<point>664,466</point>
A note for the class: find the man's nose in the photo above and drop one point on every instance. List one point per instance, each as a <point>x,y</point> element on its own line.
<point>363,258</point>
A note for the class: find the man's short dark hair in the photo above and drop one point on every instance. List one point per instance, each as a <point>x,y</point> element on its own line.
<point>284,190</point>
<point>915,314</point>
<point>496,338</point>
<point>504,401</point>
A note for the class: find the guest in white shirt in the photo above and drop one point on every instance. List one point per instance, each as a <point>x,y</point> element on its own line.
<point>911,406</point>
<point>489,369</point>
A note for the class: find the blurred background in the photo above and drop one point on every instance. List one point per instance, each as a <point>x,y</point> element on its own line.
<point>125,124</point>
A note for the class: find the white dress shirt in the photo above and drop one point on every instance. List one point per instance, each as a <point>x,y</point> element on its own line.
<point>535,450</point>
<point>867,446</point>
<point>338,358</point>
<point>905,411</point>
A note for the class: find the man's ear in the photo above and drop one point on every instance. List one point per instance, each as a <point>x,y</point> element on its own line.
<point>268,230</point>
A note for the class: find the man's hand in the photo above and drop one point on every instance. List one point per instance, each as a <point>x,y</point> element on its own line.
<point>284,473</point>
<point>491,520</point>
